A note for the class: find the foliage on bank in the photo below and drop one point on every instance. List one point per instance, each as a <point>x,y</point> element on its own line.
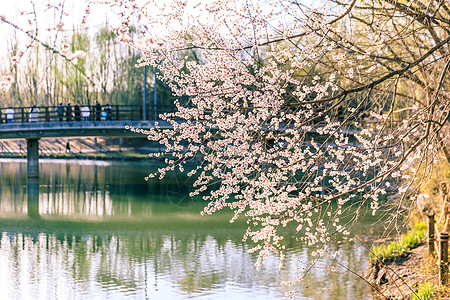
<point>425,291</point>
<point>399,247</point>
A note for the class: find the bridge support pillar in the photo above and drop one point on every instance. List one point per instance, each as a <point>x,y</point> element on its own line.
<point>33,158</point>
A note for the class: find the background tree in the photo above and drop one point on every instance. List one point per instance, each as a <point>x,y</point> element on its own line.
<point>78,65</point>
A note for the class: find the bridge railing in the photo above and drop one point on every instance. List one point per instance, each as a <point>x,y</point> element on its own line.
<point>56,114</point>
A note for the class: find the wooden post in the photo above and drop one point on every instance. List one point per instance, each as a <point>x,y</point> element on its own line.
<point>443,258</point>
<point>431,236</point>
<point>445,207</point>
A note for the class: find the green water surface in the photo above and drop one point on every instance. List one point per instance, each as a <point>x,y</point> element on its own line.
<point>98,230</point>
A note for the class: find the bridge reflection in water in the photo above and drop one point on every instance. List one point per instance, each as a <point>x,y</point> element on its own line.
<point>33,197</point>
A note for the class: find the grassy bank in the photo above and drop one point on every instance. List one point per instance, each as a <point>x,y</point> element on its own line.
<point>402,269</point>
<point>399,247</point>
<point>425,291</point>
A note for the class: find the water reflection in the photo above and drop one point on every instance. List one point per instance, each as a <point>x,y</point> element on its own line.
<point>33,197</point>
<point>99,231</point>
<point>82,190</point>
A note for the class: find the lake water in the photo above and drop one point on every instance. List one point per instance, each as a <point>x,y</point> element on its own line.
<point>98,230</point>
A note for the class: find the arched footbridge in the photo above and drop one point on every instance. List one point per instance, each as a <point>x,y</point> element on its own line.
<point>50,122</point>
<point>106,121</point>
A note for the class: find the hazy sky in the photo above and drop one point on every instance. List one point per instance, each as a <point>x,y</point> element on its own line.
<point>48,18</point>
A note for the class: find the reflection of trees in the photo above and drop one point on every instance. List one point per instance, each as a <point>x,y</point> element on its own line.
<point>12,193</point>
<point>90,190</point>
<point>321,282</point>
<point>191,263</point>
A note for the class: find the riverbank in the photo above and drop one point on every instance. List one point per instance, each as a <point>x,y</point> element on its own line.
<point>89,148</point>
<point>412,275</point>
<point>403,269</point>
<point>401,277</point>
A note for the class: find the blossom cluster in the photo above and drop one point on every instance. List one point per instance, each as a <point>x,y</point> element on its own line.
<point>6,83</point>
<point>291,129</point>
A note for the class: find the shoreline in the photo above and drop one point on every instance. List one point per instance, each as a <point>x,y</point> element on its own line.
<point>87,148</point>
<point>404,269</point>
<point>108,156</point>
<point>400,278</point>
